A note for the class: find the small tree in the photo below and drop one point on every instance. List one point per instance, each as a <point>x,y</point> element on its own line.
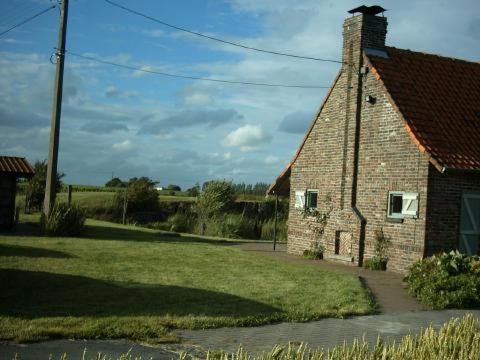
<point>115,182</point>
<point>141,195</point>
<point>194,191</point>
<point>217,197</point>
<point>35,190</point>
<point>174,187</point>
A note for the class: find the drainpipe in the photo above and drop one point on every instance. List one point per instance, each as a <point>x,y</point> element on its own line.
<point>356,155</point>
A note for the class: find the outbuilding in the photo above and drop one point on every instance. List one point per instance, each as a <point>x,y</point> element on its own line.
<point>11,168</point>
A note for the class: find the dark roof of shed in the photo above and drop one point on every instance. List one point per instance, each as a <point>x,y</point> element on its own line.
<point>438,99</point>
<point>17,166</point>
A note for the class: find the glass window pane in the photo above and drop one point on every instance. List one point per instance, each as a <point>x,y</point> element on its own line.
<point>312,199</point>
<point>396,203</point>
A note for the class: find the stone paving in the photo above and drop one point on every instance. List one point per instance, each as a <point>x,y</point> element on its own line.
<point>325,333</point>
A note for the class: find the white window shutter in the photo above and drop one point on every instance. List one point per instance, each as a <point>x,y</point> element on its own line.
<point>299,199</point>
<point>410,204</point>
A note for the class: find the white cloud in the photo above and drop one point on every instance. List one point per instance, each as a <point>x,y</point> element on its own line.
<point>247,138</point>
<point>123,146</point>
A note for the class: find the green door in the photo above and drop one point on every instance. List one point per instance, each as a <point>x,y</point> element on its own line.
<point>470,224</point>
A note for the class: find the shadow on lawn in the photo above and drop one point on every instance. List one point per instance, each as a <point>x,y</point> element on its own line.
<point>28,251</point>
<point>33,294</point>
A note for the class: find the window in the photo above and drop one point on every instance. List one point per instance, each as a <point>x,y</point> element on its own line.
<point>306,199</point>
<point>299,199</point>
<point>402,205</point>
<point>312,198</point>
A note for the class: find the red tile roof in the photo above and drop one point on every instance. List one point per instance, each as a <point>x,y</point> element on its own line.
<point>438,99</point>
<point>17,166</point>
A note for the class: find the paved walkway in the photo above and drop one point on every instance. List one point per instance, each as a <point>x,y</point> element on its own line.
<point>387,287</point>
<point>325,333</point>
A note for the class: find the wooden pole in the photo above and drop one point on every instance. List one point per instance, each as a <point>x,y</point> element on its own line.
<point>50,189</point>
<point>69,195</point>
<point>275,223</point>
<point>125,204</point>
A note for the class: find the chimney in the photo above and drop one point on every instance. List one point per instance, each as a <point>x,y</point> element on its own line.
<point>366,30</point>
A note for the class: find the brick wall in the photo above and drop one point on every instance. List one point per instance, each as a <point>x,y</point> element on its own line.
<point>354,156</point>
<point>7,201</point>
<point>444,206</point>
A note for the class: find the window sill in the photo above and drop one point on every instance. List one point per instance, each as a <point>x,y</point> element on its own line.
<point>395,220</point>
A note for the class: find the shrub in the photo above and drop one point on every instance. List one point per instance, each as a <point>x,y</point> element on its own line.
<point>375,264</point>
<point>181,222</point>
<point>267,230</point>
<point>217,198</point>
<point>64,221</point>
<point>315,252</point>
<point>35,188</point>
<point>446,281</point>
<point>141,196</point>
<point>380,259</point>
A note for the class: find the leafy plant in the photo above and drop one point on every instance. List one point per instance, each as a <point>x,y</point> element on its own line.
<point>320,221</point>
<point>64,221</point>
<point>141,196</point>
<point>380,259</point>
<point>216,198</point>
<point>35,188</point>
<point>315,252</point>
<point>446,281</point>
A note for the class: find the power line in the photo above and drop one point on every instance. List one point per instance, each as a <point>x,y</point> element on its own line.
<point>28,19</point>
<point>16,13</point>
<point>134,68</point>
<point>218,39</point>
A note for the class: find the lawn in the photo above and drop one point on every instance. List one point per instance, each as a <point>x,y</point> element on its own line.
<point>127,282</point>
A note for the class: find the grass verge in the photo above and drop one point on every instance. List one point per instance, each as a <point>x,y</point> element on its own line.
<point>127,282</point>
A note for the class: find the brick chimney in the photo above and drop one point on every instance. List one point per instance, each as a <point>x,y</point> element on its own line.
<point>365,30</point>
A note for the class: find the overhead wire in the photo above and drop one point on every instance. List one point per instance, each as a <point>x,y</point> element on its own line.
<point>132,11</point>
<point>19,12</point>
<point>143,69</point>
<point>28,19</point>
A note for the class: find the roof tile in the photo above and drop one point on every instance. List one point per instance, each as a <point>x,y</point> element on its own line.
<point>438,98</point>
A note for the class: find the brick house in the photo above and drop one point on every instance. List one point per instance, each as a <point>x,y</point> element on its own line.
<point>11,168</point>
<point>395,146</point>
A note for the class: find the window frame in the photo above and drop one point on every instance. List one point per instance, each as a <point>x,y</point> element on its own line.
<point>307,198</point>
<point>404,214</point>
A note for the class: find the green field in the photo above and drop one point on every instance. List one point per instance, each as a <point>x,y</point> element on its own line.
<point>127,282</point>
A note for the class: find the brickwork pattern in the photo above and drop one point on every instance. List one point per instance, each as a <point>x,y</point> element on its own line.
<point>444,207</point>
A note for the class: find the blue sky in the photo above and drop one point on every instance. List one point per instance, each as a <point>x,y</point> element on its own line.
<point>182,131</point>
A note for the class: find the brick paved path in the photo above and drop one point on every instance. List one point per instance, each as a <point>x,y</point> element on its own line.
<point>325,333</point>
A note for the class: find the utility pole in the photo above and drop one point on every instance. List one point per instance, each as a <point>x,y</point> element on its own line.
<point>50,189</point>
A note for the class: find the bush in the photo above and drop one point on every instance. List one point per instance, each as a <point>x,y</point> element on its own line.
<point>64,221</point>
<point>141,196</point>
<point>446,281</point>
<point>217,198</point>
<point>315,252</point>
<point>267,230</point>
<point>35,188</point>
<point>375,263</point>
<point>181,222</point>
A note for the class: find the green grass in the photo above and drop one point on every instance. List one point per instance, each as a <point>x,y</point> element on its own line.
<point>127,282</point>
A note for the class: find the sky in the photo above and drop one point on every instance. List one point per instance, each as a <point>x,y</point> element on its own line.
<point>124,123</point>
